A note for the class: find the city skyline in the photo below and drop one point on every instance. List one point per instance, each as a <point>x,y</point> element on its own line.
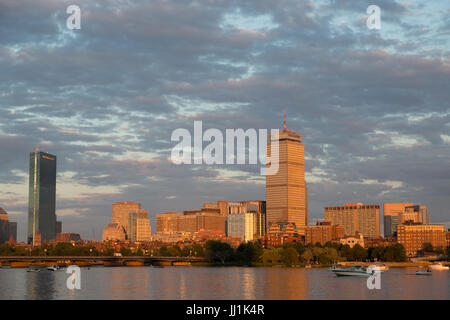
<point>371,105</point>
<point>123,210</point>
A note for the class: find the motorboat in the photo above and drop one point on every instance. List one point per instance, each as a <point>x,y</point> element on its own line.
<point>438,267</point>
<point>34,270</point>
<point>426,272</point>
<point>352,271</point>
<point>381,268</point>
<point>53,268</point>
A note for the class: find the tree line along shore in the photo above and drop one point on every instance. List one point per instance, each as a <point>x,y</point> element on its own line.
<point>247,254</point>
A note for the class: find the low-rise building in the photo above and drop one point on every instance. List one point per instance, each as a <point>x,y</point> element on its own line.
<point>323,232</point>
<point>68,237</point>
<point>414,236</point>
<point>351,241</point>
<point>114,231</point>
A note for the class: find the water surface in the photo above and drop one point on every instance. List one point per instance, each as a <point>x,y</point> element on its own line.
<point>210,283</point>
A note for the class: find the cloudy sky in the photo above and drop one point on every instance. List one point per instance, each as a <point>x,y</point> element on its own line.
<point>373,106</point>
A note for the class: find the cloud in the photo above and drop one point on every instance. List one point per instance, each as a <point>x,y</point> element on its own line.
<point>372,106</point>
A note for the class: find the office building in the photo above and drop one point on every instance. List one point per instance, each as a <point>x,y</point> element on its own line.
<point>227,207</point>
<point>13,230</point>
<point>191,221</point>
<point>58,227</point>
<point>413,236</point>
<point>356,217</point>
<point>42,197</point>
<point>246,225</point>
<point>392,214</point>
<point>447,238</point>
<point>286,190</point>
<point>4,226</point>
<point>416,214</point>
<point>222,205</point>
<point>120,212</point>
<point>167,222</point>
<point>139,226</point>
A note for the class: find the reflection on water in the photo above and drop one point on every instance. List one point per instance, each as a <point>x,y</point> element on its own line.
<point>40,286</point>
<point>209,283</point>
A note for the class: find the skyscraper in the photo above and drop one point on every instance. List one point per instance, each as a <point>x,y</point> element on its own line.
<point>4,226</point>
<point>42,196</point>
<point>139,226</point>
<point>415,213</point>
<point>391,214</point>
<point>286,190</point>
<point>120,212</point>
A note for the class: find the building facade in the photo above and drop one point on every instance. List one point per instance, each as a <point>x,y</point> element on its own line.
<point>391,216</point>
<point>351,241</point>
<point>13,230</point>
<point>286,190</point>
<point>4,226</point>
<point>68,237</point>
<point>246,225</point>
<point>42,197</point>
<point>356,217</point>
<point>415,214</point>
<point>120,212</point>
<point>167,222</point>
<point>113,231</point>
<point>323,232</point>
<point>58,227</point>
<point>139,226</point>
<point>190,221</point>
<point>414,236</point>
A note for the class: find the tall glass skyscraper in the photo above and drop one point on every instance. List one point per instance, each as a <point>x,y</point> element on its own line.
<point>42,197</point>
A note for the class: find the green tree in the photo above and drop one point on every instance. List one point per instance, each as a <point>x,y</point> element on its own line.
<point>164,252</point>
<point>125,251</point>
<point>359,253</point>
<point>108,252</point>
<point>307,256</point>
<point>289,256</point>
<point>271,255</point>
<point>186,251</point>
<point>174,251</point>
<point>217,251</point>
<point>197,250</point>
<point>395,253</point>
<point>248,253</point>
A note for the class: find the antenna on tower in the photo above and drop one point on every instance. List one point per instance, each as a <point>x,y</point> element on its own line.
<point>284,123</point>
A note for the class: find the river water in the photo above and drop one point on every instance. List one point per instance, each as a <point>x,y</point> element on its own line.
<point>211,283</point>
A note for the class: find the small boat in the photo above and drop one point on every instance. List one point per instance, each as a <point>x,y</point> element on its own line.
<point>380,268</point>
<point>427,272</point>
<point>34,270</point>
<point>54,268</point>
<point>352,271</point>
<point>308,266</point>
<point>438,267</point>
